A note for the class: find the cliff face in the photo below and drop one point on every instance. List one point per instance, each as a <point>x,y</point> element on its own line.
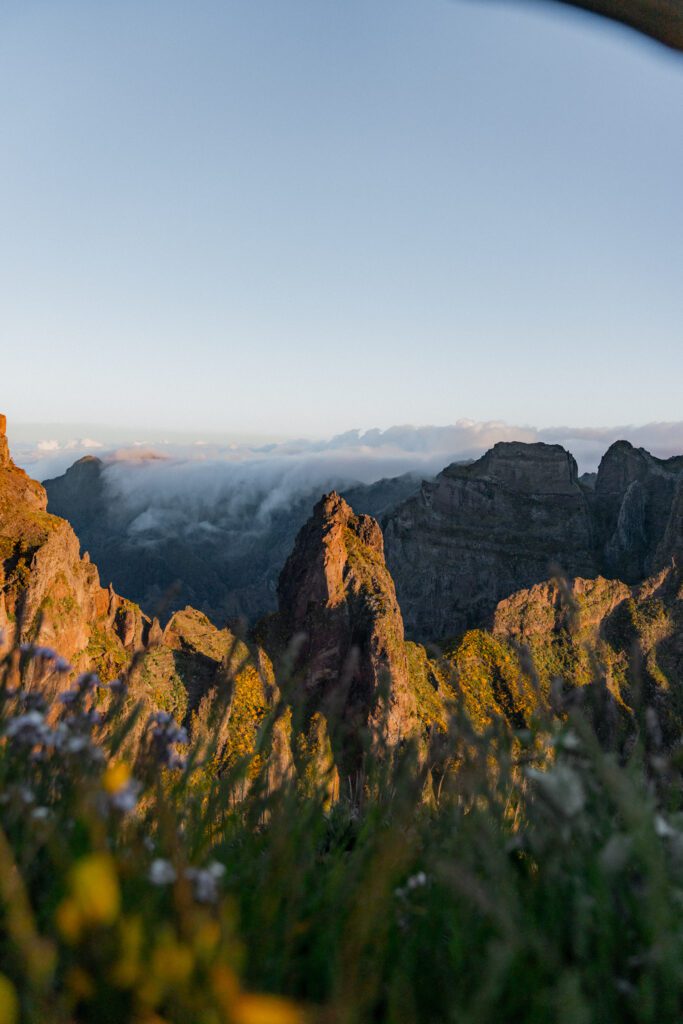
<point>228,566</point>
<point>637,511</point>
<point>628,637</point>
<point>480,532</point>
<point>455,547</point>
<point>337,602</point>
<point>49,595</point>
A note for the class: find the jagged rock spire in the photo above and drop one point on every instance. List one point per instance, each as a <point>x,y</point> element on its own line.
<point>4,447</point>
<point>336,593</point>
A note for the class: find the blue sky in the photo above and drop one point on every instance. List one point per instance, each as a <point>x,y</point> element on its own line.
<point>298,216</point>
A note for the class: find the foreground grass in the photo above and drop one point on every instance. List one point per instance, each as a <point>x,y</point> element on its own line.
<point>529,877</point>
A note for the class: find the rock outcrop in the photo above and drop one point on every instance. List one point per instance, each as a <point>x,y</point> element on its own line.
<point>4,447</point>
<point>222,556</point>
<point>636,497</point>
<point>455,547</point>
<point>49,595</point>
<point>589,633</point>
<point>480,532</point>
<point>579,607</point>
<point>338,607</point>
<point>205,677</point>
<point>519,515</point>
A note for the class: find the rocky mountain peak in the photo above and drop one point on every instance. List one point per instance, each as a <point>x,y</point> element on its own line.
<point>482,531</point>
<point>19,495</point>
<point>48,594</point>
<point>315,571</point>
<point>336,595</point>
<point>621,465</point>
<point>527,468</point>
<point>635,511</point>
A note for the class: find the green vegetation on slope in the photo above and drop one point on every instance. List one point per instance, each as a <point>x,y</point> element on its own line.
<point>127,893</point>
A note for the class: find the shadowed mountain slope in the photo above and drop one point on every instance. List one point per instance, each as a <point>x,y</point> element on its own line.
<point>520,514</point>
<point>220,558</point>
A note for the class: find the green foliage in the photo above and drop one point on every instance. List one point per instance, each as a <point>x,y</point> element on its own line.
<point>247,712</point>
<point>522,894</point>
<point>164,687</point>
<point>105,653</point>
<point>433,693</point>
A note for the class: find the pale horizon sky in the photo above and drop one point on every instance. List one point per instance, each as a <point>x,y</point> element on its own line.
<point>293,217</point>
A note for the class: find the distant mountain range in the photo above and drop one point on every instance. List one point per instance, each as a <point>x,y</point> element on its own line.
<point>219,555</point>
<point>469,558</point>
<point>456,544</point>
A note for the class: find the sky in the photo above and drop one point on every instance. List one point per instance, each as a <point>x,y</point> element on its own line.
<point>294,217</point>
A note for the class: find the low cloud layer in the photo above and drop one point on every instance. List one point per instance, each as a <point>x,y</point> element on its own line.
<point>221,518</point>
<point>364,456</point>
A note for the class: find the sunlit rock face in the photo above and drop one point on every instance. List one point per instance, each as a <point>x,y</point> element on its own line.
<point>203,550</point>
<point>337,599</point>
<point>51,598</point>
<point>603,633</point>
<point>482,531</point>
<point>637,511</point>
<point>4,447</point>
<point>49,595</point>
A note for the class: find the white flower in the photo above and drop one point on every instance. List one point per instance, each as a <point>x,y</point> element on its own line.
<point>205,881</point>
<point>416,881</point>
<point>161,872</point>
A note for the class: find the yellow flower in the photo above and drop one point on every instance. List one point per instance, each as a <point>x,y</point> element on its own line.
<point>9,1004</point>
<point>206,938</point>
<point>116,777</point>
<point>251,1008</point>
<point>95,889</point>
<point>172,962</point>
<point>170,969</point>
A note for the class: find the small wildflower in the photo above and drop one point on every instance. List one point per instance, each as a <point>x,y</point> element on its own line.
<point>165,734</point>
<point>161,872</point>
<point>205,881</point>
<point>116,777</point>
<point>663,828</point>
<point>76,744</point>
<point>253,1008</point>
<point>125,800</point>
<point>95,889</point>
<point>416,881</point>
<point>123,790</point>
<point>172,962</point>
<point>28,730</point>
<point>88,681</point>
